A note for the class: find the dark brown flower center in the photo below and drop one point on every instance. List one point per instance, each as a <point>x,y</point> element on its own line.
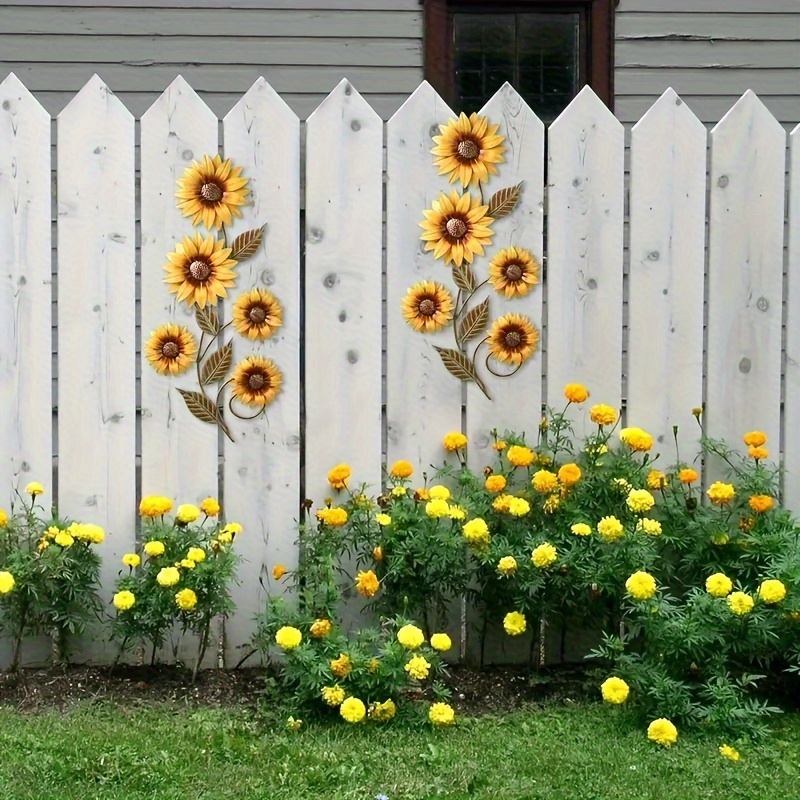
<point>170,350</point>
<point>199,270</point>
<point>257,381</point>
<point>257,315</point>
<point>513,339</point>
<point>468,150</point>
<point>457,228</point>
<point>427,307</point>
<point>513,272</point>
<point>211,192</point>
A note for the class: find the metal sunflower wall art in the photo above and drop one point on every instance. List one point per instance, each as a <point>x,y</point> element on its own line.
<point>457,227</point>
<point>199,271</point>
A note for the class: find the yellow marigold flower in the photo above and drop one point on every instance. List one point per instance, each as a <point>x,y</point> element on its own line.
<point>520,456</point>
<point>649,526</point>
<point>688,475</point>
<point>761,503</point>
<point>186,599</point>
<point>457,513</point>
<point>576,393</point>
<point>353,710</point>
<point>500,445</point>
<point>211,191</point>
<point>441,642</point>
<point>399,491</point>
<point>437,508</point>
<point>602,414</point>
<point>278,571</point>
<point>421,494</point>
<point>124,600</point>
<point>656,480</point>
<point>441,714</point>
<point>382,712</point>
<point>196,554</point>
<point>455,441</point>
<point>168,576</point>
<point>367,583</point>
<point>374,665</point>
<point>758,453</point>
<point>3,518</point>
<point>518,506</point>
<point>200,270</point>
<point>581,529</point>
<point>210,507</point>
<point>719,585</point>
<point>501,503</point>
<point>476,532</point>
<point>43,545</point>
<point>335,517</point>
<point>772,591</point>
<point>740,603</point>
<point>411,637</point>
<point>641,585</point>
<point>417,667</point>
<point>342,666</point>
<point>468,149</point>
<point>720,493</point>
<point>294,724</point>
<point>257,314</point>
<point>569,474</point>
<point>456,227</point>
<point>233,529</point>
<point>377,553</point>
<point>615,691</point>
<point>287,638</point>
<point>171,349</point>
<point>544,555</point>
<point>755,439</point>
<point>514,623</point>
<point>513,272</point>
<point>320,628</point>
<point>7,582</point>
<point>90,533</point>
<point>622,486</point>
<point>155,506</point>
<point>551,504</point>
<point>637,439</point>
<point>52,532</point>
<point>34,488</point>
<point>186,563</point>
<point>333,695</point>
<point>663,732</point>
<point>726,751</point>
<point>131,560</point>
<point>401,469</point>
<point>338,476</point>
<point>545,481</point>
<point>439,492</point>
<point>640,501</point>
<point>495,483</point>
<point>63,539</point>
<point>383,519</point>
<point>610,528</point>
<point>507,565</point>
<point>154,549</point>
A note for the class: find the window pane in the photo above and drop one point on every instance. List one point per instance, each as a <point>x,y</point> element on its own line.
<point>537,52</point>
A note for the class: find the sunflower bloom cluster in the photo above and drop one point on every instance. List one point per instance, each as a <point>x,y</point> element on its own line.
<point>457,228</point>
<point>211,192</point>
<point>468,149</point>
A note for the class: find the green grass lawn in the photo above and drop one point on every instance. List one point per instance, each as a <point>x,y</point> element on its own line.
<point>586,752</point>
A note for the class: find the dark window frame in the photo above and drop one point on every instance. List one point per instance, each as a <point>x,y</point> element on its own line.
<point>599,66</point>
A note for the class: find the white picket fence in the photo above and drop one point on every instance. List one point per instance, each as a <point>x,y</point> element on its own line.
<point>700,306</point>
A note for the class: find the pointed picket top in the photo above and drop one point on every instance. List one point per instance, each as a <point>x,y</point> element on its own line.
<point>670,111</point>
<point>179,97</point>
<point>344,93</point>
<point>94,94</point>
<point>746,110</point>
<point>16,100</point>
<point>588,106</point>
<point>423,103</point>
<point>262,101</point>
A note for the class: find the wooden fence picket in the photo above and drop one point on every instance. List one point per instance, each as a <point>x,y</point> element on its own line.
<point>745,274</point>
<point>584,241</point>
<point>262,467</point>
<point>96,323</point>
<point>26,415</point>
<point>667,265</point>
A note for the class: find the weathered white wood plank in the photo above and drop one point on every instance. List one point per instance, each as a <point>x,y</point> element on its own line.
<point>524,163</point>
<point>25,292</point>
<point>709,108</point>
<point>343,292</point>
<point>179,453</point>
<point>262,135</point>
<point>745,255</point>
<point>96,343</point>
<point>423,401</point>
<point>667,263</point>
<point>584,259</point>
<point>791,411</point>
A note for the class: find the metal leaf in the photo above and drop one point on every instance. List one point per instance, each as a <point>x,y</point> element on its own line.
<point>474,323</point>
<point>464,278</point>
<point>246,244</point>
<point>208,320</point>
<point>202,408</point>
<point>458,364</point>
<point>217,365</point>
<point>503,202</point>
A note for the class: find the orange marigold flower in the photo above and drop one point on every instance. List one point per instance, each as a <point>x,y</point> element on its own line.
<point>758,453</point>
<point>688,475</point>
<point>761,503</point>
<point>569,474</point>
<point>755,439</point>
<point>576,392</point>
<point>367,583</point>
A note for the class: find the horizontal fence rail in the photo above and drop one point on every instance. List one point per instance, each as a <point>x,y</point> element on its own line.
<point>670,285</point>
